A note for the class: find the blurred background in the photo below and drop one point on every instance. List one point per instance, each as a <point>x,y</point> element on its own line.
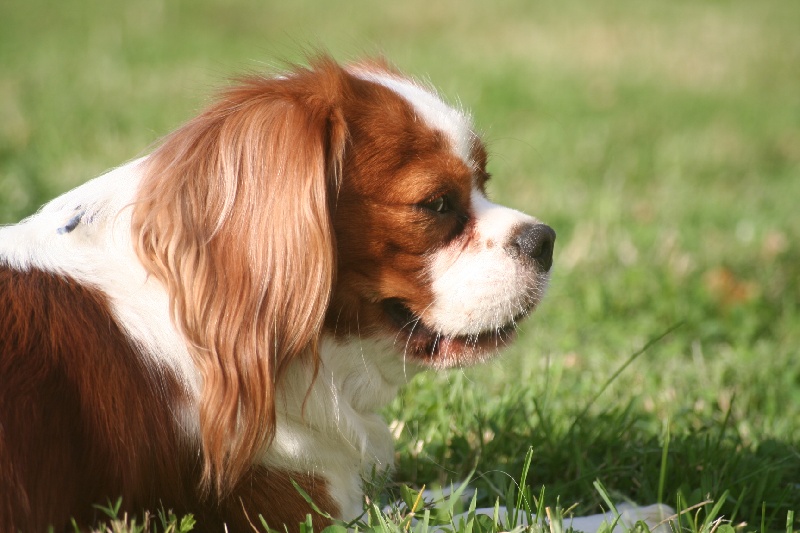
<point>660,139</point>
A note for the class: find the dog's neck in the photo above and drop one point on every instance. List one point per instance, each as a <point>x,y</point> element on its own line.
<point>330,423</point>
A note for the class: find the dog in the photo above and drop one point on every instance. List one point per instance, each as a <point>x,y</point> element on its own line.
<point>204,327</point>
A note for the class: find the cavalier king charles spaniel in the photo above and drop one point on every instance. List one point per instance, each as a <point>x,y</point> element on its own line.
<point>201,328</point>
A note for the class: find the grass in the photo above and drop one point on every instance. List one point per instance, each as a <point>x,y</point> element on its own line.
<point>660,139</point>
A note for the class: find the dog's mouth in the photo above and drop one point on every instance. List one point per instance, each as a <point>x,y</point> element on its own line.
<point>441,350</point>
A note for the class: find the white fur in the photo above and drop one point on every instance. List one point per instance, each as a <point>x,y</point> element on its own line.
<point>455,124</point>
<point>98,252</point>
<point>478,286</point>
<point>339,433</point>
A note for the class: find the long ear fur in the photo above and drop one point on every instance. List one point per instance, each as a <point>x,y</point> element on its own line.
<point>233,216</point>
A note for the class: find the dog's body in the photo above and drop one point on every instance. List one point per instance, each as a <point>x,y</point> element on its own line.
<point>90,419</point>
<point>201,327</point>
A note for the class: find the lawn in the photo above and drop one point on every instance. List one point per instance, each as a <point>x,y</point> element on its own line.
<point>660,139</point>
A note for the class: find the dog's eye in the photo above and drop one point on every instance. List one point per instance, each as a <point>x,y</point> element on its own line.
<point>439,205</point>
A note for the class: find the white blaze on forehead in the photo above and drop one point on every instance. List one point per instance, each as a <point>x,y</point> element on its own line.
<point>494,222</point>
<point>455,124</point>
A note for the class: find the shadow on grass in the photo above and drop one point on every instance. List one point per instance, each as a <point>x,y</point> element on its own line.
<point>761,481</point>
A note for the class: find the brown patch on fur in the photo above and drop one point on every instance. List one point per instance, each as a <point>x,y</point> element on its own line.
<point>480,158</point>
<point>83,418</point>
<point>394,163</point>
<point>272,495</point>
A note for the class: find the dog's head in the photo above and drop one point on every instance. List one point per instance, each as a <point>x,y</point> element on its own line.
<point>347,201</point>
<point>423,256</point>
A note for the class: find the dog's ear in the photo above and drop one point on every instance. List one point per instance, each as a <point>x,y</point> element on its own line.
<point>234,217</point>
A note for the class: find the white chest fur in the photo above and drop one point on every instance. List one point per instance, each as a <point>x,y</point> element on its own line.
<point>333,429</point>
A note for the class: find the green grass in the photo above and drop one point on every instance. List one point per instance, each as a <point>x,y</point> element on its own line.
<point>660,139</point>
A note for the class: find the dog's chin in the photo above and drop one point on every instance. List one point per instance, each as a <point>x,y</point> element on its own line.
<point>429,347</point>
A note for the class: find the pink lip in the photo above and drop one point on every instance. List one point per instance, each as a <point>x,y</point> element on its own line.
<point>425,343</point>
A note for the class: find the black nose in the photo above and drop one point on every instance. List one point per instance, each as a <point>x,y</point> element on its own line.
<point>535,241</point>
